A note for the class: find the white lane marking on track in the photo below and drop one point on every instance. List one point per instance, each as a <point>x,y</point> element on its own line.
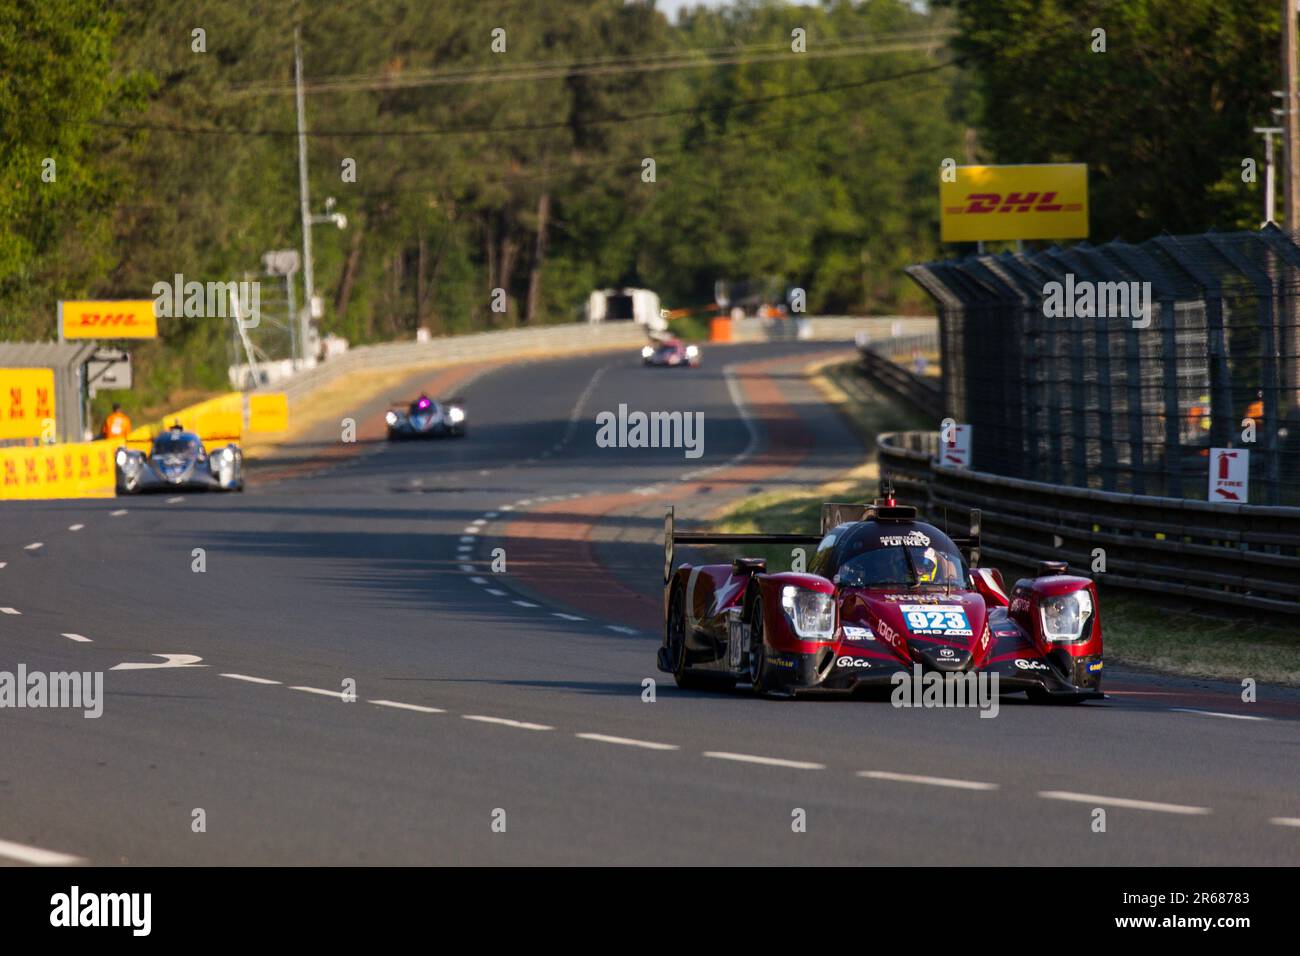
<point>506,508</point>
<point>177,500</point>
<point>495,593</point>
<point>567,617</point>
<point>491,514</point>
<point>1124,802</point>
<point>118,513</point>
<point>1285,821</point>
<point>250,679</point>
<point>506,722</point>
<point>470,530</point>
<point>628,742</point>
<point>35,546</point>
<point>320,690</point>
<point>169,660</point>
<point>621,629</point>
<point>478,522</point>
<point>931,781</point>
<point>525,603</point>
<point>75,527</point>
<point>10,610</point>
<point>78,638</point>
<point>36,856</point>
<point>747,419</point>
<point>468,539</point>
<point>418,708</point>
<point>467,568</point>
<point>766,761</point>
<point>1214,713</point>
<point>4,564</point>
<point>477,580</point>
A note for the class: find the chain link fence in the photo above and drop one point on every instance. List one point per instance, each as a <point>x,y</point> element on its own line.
<point>1117,367</point>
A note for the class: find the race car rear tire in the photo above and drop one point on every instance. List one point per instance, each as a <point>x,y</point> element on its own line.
<point>686,678</point>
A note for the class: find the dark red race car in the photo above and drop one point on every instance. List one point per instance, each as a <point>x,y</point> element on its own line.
<point>884,593</point>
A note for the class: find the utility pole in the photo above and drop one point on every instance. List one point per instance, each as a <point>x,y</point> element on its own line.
<point>1270,179</point>
<point>1290,119</point>
<point>304,198</point>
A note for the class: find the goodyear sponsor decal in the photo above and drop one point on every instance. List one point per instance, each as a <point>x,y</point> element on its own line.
<point>83,470</point>
<point>26,403</point>
<point>1048,201</point>
<point>127,319</point>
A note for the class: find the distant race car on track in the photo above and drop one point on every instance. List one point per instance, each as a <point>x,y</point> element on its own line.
<point>425,418</point>
<point>671,352</point>
<point>177,461</point>
<point>884,593</point>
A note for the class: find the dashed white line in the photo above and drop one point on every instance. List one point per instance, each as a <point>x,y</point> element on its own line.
<point>78,638</point>
<point>506,722</point>
<point>250,679</point>
<point>622,630</point>
<point>567,617</point>
<point>10,610</point>
<point>35,546</point>
<point>766,761</point>
<point>525,603</point>
<point>477,580</point>
<point>36,856</point>
<point>75,527</point>
<point>118,513</point>
<point>4,564</point>
<point>468,539</point>
<point>491,514</point>
<point>1124,802</point>
<point>418,708</point>
<point>469,530</point>
<point>929,781</point>
<point>318,690</point>
<point>1215,713</point>
<point>495,593</point>
<point>628,742</point>
<point>1285,821</point>
<point>177,500</point>
<point>478,523</point>
<point>467,568</point>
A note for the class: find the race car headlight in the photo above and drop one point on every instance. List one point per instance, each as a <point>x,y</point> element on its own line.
<point>391,418</point>
<point>455,414</point>
<point>647,352</point>
<point>1065,616</point>
<point>122,456</point>
<point>810,612</point>
<point>692,351</point>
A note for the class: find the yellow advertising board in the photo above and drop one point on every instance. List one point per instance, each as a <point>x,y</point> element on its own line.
<point>217,421</point>
<point>1047,201</point>
<point>127,319</point>
<point>268,413</point>
<point>26,403</point>
<point>83,470</point>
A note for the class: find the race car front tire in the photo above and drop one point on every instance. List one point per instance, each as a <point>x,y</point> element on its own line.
<point>760,672</point>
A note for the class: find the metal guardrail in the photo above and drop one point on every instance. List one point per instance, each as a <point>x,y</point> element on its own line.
<point>876,362</point>
<point>1245,555</point>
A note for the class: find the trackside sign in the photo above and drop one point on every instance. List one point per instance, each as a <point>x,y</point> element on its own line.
<point>127,319</point>
<point>1047,201</point>
<point>1229,475</point>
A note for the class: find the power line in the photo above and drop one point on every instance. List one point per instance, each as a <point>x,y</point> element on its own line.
<point>526,127</point>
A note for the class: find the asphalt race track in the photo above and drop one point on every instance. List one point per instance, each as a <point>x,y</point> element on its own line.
<point>522,691</point>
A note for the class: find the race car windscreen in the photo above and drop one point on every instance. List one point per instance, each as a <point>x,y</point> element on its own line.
<point>904,565</point>
<point>175,446</point>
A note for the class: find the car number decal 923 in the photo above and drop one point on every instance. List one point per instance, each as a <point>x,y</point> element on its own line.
<point>936,620</point>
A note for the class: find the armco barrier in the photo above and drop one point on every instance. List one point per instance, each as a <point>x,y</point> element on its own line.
<point>876,362</point>
<point>82,470</point>
<point>1223,553</point>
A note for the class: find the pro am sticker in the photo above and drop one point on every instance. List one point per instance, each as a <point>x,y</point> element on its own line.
<point>936,620</point>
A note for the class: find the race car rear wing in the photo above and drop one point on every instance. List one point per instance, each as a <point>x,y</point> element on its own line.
<point>833,514</point>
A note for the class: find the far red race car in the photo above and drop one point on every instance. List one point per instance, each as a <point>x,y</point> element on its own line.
<point>884,593</point>
<point>671,352</point>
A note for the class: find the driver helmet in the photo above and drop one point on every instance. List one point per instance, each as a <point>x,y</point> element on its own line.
<point>927,568</point>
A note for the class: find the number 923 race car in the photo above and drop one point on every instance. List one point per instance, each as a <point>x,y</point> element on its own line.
<point>884,593</point>
<point>176,461</point>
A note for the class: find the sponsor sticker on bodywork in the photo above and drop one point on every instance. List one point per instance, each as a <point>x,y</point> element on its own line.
<point>852,633</point>
<point>936,620</point>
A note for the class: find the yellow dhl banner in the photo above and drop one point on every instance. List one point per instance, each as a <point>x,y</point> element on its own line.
<point>26,403</point>
<point>218,421</point>
<point>268,413</point>
<point>84,470</point>
<point>1048,201</point>
<point>126,319</point>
